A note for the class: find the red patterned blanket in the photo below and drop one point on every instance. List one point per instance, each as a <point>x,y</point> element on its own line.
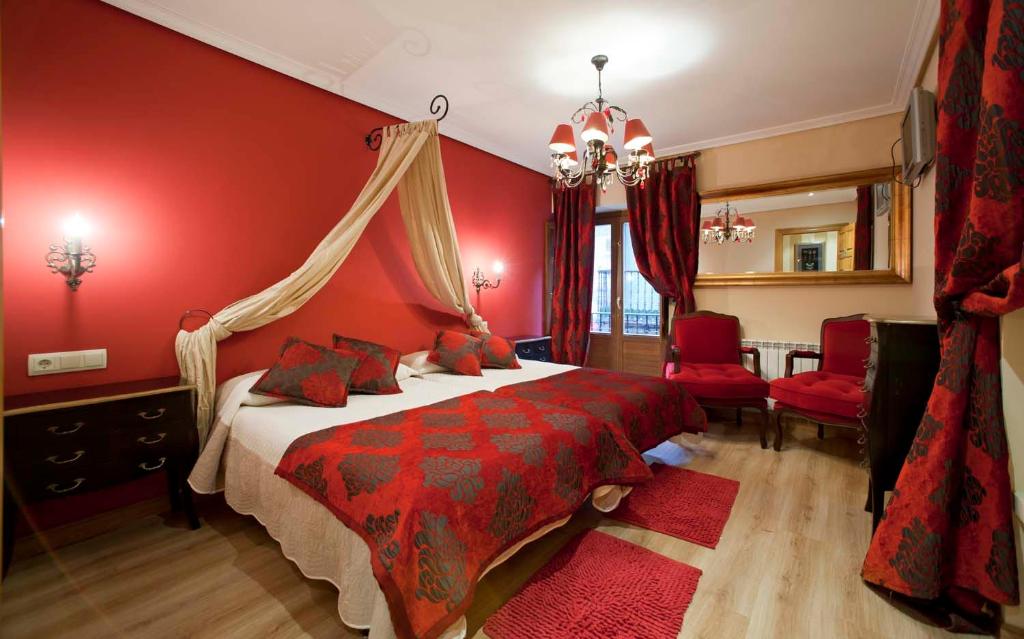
<point>648,409</point>
<point>439,492</point>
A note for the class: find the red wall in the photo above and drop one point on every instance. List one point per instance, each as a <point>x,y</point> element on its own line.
<point>207,178</point>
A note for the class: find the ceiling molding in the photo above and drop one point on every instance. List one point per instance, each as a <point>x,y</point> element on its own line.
<point>918,44</point>
<point>794,127</point>
<point>926,22</point>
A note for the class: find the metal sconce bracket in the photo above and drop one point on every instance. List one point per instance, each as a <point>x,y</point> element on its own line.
<point>480,282</point>
<point>437,105</point>
<point>71,261</point>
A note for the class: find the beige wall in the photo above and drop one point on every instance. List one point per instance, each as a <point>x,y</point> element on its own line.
<point>1013,409</point>
<point>795,312</point>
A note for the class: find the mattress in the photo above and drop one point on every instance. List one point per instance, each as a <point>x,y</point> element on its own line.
<point>247,443</point>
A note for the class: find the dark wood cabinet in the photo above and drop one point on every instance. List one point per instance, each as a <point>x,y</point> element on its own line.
<point>533,347</point>
<point>59,444</point>
<point>900,372</point>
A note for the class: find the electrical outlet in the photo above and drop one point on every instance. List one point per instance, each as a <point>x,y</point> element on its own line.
<point>66,362</point>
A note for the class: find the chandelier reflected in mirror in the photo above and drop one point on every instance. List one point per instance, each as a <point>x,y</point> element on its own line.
<point>600,159</point>
<point>728,226</point>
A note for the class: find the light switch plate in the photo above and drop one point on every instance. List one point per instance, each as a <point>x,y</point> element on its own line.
<point>66,362</point>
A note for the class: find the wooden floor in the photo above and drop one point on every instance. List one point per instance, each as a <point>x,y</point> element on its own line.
<point>787,565</point>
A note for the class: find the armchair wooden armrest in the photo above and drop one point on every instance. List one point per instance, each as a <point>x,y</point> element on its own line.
<point>673,356</point>
<point>750,350</point>
<point>801,354</point>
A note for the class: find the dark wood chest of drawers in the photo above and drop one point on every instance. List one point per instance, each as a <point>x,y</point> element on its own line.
<point>71,442</point>
<point>532,347</point>
<point>898,380</point>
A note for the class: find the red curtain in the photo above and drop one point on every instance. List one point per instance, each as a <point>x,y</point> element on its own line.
<point>863,229</point>
<point>573,273</point>
<point>946,540</point>
<point>664,223</point>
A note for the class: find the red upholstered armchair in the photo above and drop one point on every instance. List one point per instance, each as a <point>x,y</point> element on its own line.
<point>833,394</point>
<point>705,355</point>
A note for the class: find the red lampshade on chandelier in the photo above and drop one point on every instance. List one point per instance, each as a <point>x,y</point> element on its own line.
<point>728,225</point>
<point>600,158</point>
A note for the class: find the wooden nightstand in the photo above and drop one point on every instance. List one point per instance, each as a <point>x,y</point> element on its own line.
<point>69,442</point>
<point>535,347</point>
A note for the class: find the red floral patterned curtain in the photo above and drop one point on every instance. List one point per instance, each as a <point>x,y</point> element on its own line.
<point>664,223</point>
<point>573,273</point>
<point>863,230</point>
<point>946,539</point>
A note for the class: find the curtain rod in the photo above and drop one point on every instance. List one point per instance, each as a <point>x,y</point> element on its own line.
<point>679,156</point>
<point>439,104</point>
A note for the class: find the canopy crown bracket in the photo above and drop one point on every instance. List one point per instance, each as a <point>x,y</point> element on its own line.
<point>439,104</point>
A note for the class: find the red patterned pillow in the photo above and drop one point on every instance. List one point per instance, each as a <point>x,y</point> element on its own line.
<point>308,374</point>
<point>459,352</point>
<point>496,352</point>
<point>375,374</point>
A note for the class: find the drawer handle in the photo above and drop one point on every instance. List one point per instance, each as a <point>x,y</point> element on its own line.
<point>149,442</point>
<point>159,465</point>
<point>54,488</point>
<point>78,455</point>
<point>74,429</point>
<point>157,414</point>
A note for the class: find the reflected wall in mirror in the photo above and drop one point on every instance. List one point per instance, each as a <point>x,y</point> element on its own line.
<point>844,228</point>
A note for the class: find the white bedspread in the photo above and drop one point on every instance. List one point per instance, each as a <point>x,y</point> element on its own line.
<point>495,378</point>
<point>247,442</point>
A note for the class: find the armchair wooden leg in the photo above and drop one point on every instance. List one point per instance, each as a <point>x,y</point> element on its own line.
<point>739,417</point>
<point>778,432</point>
<point>821,431</point>
<point>763,428</point>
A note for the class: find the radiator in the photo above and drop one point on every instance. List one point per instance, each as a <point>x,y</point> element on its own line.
<point>773,357</point>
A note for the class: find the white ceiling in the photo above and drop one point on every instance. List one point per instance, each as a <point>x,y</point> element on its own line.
<point>700,73</point>
<point>783,202</point>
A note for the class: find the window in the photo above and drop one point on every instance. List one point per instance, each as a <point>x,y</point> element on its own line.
<point>601,302</point>
<point>641,308</point>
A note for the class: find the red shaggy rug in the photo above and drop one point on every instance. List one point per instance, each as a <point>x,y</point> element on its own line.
<point>599,587</point>
<point>682,503</point>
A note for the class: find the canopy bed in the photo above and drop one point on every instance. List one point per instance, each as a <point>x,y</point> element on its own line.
<point>404,500</point>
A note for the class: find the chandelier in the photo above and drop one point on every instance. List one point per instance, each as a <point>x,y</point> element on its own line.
<point>600,158</point>
<point>728,225</point>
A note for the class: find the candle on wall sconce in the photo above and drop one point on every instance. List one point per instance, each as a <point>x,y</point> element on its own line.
<point>480,282</point>
<point>73,259</point>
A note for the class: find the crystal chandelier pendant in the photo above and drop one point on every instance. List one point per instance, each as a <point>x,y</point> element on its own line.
<point>600,159</point>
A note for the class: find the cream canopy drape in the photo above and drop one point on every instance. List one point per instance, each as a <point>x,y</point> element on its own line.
<point>410,158</point>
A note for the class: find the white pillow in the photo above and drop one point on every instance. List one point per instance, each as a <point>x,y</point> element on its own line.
<point>252,399</point>
<point>418,363</point>
<point>404,372</point>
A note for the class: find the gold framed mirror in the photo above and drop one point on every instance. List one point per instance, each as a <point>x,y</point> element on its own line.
<point>849,228</point>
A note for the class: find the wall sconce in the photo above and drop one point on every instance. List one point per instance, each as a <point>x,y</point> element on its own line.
<point>480,282</point>
<point>73,260</point>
